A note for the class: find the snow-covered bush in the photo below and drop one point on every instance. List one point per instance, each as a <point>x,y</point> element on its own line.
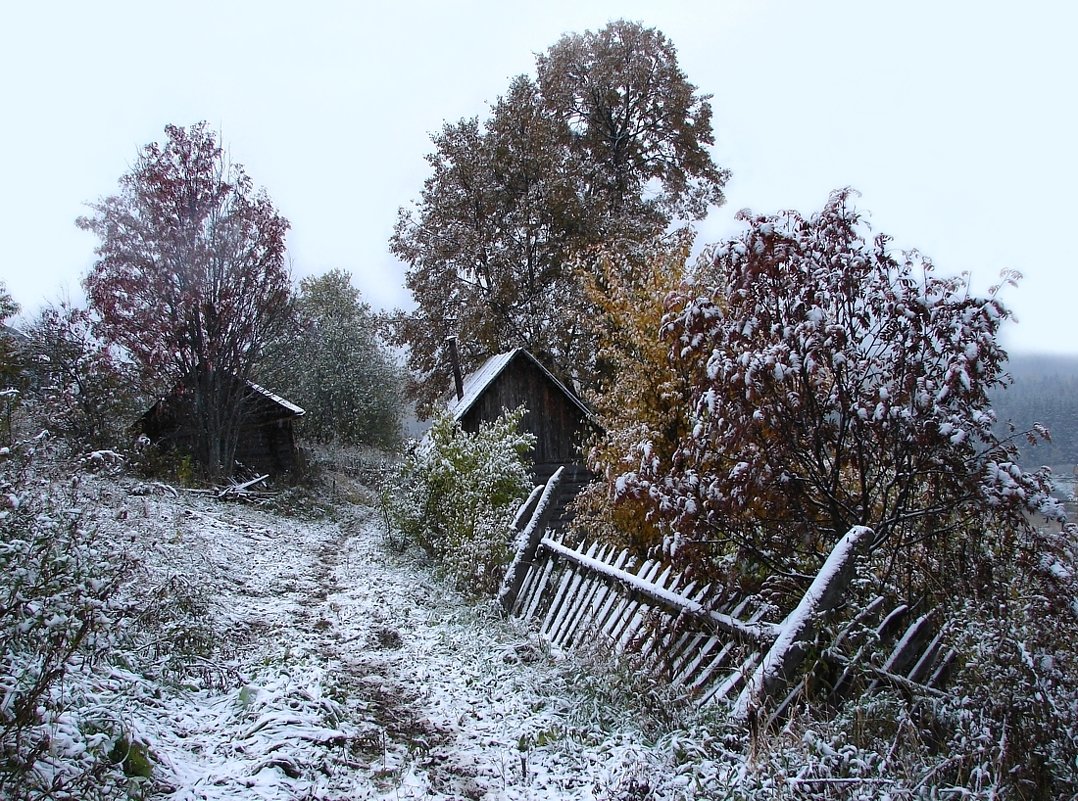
<point>645,392</point>
<point>80,387</point>
<point>1012,709</point>
<point>455,496</point>
<point>840,384</point>
<point>337,368</point>
<point>59,577</point>
<point>1004,725</point>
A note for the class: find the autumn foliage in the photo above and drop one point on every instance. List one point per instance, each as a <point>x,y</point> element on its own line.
<point>840,384</point>
<point>190,277</point>
<point>643,391</point>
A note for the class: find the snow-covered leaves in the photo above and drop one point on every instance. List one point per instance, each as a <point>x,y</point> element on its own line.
<point>59,580</point>
<point>843,385</point>
<point>456,495</point>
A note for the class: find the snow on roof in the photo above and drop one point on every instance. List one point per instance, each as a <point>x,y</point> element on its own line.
<point>285,404</point>
<point>296,410</point>
<point>475,383</point>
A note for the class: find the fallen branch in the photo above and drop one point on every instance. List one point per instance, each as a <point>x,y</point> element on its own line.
<point>240,490</point>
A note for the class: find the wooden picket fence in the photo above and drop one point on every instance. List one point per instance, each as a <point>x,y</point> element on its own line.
<point>718,652</point>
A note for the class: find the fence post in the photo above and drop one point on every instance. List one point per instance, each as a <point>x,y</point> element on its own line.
<point>788,650</point>
<point>527,543</point>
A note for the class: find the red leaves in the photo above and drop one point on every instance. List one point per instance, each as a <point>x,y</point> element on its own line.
<point>843,386</point>
<point>190,266</point>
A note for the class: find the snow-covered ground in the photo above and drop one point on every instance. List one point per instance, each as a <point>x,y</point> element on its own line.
<point>315,662</point>
<point>255,654</point>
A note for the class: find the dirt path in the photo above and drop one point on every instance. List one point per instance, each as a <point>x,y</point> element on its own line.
<point>341,670</point>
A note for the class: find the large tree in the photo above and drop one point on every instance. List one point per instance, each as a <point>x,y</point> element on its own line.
<point>632,114</point>
<point>840,385</point>
<point>336,368</point>
<point>190,278</point>
<point>608,147</point>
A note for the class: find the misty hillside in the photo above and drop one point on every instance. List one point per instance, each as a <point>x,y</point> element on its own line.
<point>1045,390</point>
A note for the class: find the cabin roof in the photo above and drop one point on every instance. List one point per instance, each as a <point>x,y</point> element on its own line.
<point>477,382</point>
<point>290,409</point>
<point>296,410</point>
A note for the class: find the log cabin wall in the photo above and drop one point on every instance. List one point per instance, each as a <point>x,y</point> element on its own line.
<point>266,441</point>
<point>556,418</point>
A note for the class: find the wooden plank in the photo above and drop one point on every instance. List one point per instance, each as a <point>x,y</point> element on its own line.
<point>569,606</point>
<point>613,596</point>
<point>659,623</point>
<point>759,632</point>
<point>908,647</point>
<point>630,621</point>
<point>715,660</point>
<point>686,649</point>
<point>890,624</point>
<point>708,646</point>
<point>539,592</point>
<point>943,671</point>
<point>582,617</point>
<point>556,600</point>
<point>527,543</point>
<point>721,690</point>
<point>924,664</point>
<point>584,591</point>
<point>785,655</point>
<point>527,589</point>
<point>613,618</point>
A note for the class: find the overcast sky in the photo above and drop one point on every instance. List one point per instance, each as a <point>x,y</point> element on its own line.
<point>955,120</point>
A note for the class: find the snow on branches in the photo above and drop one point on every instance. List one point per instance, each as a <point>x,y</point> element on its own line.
<point>843,385</point>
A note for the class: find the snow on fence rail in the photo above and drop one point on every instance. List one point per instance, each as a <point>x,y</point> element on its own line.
<point>599,594</point>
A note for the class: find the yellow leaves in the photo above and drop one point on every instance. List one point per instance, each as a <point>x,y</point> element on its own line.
<point>643,391</point>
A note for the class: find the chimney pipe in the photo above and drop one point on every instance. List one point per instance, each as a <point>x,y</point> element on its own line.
<point>454,360</point>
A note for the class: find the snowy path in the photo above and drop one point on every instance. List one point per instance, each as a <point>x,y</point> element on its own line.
<point>341,670</point>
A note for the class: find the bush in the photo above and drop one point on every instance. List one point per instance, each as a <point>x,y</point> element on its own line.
<point>59,616</point>
<point>455,496</point>
<point>1005,725</point>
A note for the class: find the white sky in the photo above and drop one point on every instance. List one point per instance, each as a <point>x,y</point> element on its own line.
<point>955,120</point>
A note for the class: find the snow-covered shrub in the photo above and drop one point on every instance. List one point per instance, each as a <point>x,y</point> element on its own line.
<point>337,368</point>
<point>59,577</point>
<point>455,496</point>
<point>81,388</point>
<point>175,633</point>
<point>1004,726</point>
<point>837,383</point>
<point>617,686</point>
<point>1012,710</point>
<point>646,394</point>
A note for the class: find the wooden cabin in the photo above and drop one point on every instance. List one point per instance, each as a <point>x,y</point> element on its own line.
<point>559,420</point>
<point>266,442</point>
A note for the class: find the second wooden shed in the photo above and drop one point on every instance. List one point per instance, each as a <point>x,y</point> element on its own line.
<point>559,419</point>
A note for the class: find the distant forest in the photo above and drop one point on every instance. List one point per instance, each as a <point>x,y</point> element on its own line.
<point>1045,390</point>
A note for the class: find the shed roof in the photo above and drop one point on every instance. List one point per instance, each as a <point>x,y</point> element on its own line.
<point>296,410</point>
<point>290,409</point>
<point>477,382</point>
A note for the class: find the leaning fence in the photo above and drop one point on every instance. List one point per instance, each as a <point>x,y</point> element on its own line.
<point>719,650</point>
